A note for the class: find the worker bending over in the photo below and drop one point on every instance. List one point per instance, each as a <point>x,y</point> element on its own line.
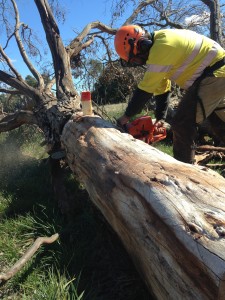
<point>192,61</point>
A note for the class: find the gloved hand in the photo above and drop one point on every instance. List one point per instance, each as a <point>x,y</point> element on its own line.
<point>162,124</point>
<point>121,123</point>
<point>123,120</point>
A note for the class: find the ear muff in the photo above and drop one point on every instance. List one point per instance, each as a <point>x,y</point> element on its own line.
<point>137,61</point>
<point>144,45</point>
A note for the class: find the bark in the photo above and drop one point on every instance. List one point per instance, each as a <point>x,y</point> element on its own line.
<point>61,60</point>
<point>215,20</point>
<point>169,215</point>
<point>12,121</point>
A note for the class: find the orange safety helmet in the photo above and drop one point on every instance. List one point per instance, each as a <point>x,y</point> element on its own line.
<point>126,39</point>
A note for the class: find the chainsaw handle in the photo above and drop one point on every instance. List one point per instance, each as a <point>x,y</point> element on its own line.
<point>160,136</point>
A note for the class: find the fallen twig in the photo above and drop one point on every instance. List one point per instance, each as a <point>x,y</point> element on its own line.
<point>203,157</point>
<point>27,255</point>
<point>210,148</point>
<point>216,165</point>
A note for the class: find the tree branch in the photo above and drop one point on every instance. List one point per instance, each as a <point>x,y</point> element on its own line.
<point>22,50</point>
<point>12,92</point>
<point>9,63</point>
<point>19,85</point>
<point>49,85</point>
<point>106,47</point>
<point>137,11</point>
<point>215,20</point>
<point>61,59</point>
<point>76,44</point>
<point>210,148</point>
<point>27,255</point>
<point>15,120</point>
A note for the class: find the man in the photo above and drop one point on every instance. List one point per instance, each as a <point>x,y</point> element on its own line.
<point>192,61</point>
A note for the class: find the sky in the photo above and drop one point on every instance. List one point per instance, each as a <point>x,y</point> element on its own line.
<point>78,14</point>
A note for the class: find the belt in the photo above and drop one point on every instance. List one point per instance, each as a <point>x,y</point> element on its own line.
<point>209,70</point>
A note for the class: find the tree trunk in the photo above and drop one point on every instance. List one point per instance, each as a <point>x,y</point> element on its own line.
<point>215,20</point>
<point>169,215</point>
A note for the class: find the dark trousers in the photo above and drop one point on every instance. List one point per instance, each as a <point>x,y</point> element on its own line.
<point>184,126</point>
<point>217,127</point>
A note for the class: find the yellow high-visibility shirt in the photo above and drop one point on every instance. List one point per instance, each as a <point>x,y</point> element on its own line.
<point>180,56</point>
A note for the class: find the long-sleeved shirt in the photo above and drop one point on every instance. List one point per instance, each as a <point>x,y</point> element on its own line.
<point>177,55</point>
<point>181,56</point>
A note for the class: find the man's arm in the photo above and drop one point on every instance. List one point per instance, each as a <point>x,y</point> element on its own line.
<point>135,106</point>
<point>162,102</point>
<point>137,102</point>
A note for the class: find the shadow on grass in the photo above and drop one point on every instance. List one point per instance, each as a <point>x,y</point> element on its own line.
<point>88,248</point>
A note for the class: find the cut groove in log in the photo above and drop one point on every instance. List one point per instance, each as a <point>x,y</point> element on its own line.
<point>169,215</point>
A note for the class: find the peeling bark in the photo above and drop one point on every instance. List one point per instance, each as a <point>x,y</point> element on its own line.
<point>169,215</point>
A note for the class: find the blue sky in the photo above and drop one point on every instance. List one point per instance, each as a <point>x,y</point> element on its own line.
<point>78,14</point>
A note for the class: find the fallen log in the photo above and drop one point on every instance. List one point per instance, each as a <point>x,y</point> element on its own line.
<point>169,215</point>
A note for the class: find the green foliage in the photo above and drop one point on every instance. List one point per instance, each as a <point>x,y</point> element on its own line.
<point>10,104</point>
<point>31,81</point>
<point>116,84</point>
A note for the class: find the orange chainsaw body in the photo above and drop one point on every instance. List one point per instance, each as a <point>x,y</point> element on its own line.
<point>143,129</point>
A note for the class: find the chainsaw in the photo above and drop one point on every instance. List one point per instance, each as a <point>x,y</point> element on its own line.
<point>143,129</point>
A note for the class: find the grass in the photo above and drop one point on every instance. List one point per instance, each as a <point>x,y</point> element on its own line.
<point>88,262</point>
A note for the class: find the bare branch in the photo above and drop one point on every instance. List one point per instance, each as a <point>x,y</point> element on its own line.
<point>76,46</point>
<point>22,50</point>
<point>49,85</point>
<point>19,85</point>
<point>15,120</point>
<point>9,63</point>
<point>12,92</point>
<point>210,148</point>
<point>7,42</point>
<point>137,11</point>
<point>27,255</point>
<point>106,47</point>
<point>170,23</point>
<point>61,60</point>
<point>162,25</point>
<point>215,21</point>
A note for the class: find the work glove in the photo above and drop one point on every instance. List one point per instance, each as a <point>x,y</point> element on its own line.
<point>121,123</point>
<point>162,124</point>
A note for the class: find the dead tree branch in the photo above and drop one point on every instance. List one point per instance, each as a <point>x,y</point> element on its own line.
<point>15,120</point>
<point>76,44</point>
<point>215,20</point>
<point>210,148</point>
<point>22,50</point>
<point>19,84</point>
<point>10,65</point>
<point>11,92</point>
<point>137,11</point>
<point>61,60</point>
<point>27,255</point>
